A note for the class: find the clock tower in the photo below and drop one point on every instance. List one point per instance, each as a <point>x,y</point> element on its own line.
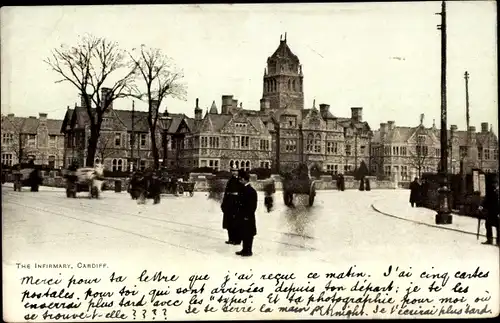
<point>283,79</point>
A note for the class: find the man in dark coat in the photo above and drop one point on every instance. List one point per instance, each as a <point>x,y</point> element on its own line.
<point>246,214</point>
<point>490,203</point>
<point>229,207</point>
<point>414,192</point>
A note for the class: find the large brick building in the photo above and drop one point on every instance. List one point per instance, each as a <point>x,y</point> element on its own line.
<point>280,130</point>
<point>406,152</point>
<point>34,138</point>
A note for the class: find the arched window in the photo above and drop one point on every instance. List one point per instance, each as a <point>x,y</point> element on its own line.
<point>237,164</point>
<point>310,142</point>
<point>114,165</point>
<point>242,164</point>
<point>289,85</point>
<point>274,85</point>
<point>247,165</point>
<point>97,161</point>
<point>231,164</point>
<point>120,165</point>
<point>317,143</point>
<point>294,86</point>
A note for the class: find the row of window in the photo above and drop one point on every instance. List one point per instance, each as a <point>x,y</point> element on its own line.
<point>7,159</point>
<point>336,169</point>
<point>29,140</point>
<point>240,164</point>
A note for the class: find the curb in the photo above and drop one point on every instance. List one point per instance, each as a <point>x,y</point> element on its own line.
<point>426,224</point>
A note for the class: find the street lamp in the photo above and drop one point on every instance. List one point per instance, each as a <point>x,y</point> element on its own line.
<point>443,215</point>
<point>167,122</point>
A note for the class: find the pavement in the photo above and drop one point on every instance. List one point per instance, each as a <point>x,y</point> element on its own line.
<point>398,207</point>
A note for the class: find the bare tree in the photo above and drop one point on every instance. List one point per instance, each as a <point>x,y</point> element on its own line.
<point>88,65</point>
<point>105,147</point>
<point>160,79</point>
<point>420,158</point>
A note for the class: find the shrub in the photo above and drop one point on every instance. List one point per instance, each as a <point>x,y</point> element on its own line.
<point>262,173</point>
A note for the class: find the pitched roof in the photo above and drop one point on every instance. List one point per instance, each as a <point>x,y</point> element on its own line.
<point>30,125</point>
<point>283,51</point>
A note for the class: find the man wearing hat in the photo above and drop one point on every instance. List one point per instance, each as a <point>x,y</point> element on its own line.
<point>490,203</point>
<point>246,214</point>
<point>229,207</point>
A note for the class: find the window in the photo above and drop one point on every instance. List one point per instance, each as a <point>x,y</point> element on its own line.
<point>265,164</point>
<point>437,152</point>
<point>348,150</point>
<point>214,164</point>
<point>247,165</point>
<point>317,143</point>
<point>422,151</point>
<point>331,147</point>
<point>403,151</point>
<point>486,154</point>
<point>236,142</point>
<point>310,142</point>
<point>7,159</point>
<point>404,173</point>
<point>31,140</point>
<point>480,152</point>
<point>290,145</point>
<point>117,165</point>
<point>118,139</point>
<point>495,154</point>
<point>362,150</point>
<point>143,138</point>
<point>52,141</point>
<point>142,165</point>
<point>52,162</point>
<point>7,138</point>
<point>213,142</point>
<point>240,126</point>
<point>264,144</point>
<point>387,170</point>
<point>245,141</point>
<point>97,161</point>
<point>106,122</point>
<point>387,151</point>
<point>332,168</point>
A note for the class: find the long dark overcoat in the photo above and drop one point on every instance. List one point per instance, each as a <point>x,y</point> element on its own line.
<point>415,191</point>
<point>491,204</point>
<point>230,202</point>
<point>246,222</point>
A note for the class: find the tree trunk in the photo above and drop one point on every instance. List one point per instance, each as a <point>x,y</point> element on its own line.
<point>92,148</point>
<point>154,147</point>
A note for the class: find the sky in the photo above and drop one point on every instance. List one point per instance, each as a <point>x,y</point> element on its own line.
<point>384,57</point>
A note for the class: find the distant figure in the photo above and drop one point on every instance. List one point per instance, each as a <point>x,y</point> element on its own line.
<point>246,215</point>
<point>415,192</point>
<point>269,190</point>
<point>490,203</point>
<point>229,207</point>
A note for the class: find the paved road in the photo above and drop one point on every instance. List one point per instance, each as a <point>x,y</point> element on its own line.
<point>341,225</point>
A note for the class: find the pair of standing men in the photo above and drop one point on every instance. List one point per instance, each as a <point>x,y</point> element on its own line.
<point>238,208</point>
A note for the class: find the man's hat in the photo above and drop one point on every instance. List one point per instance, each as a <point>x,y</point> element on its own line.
<point>243,174</point>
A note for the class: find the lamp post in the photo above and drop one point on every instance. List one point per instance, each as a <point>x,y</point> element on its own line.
<point>168,122</point>
<point>443,215</point>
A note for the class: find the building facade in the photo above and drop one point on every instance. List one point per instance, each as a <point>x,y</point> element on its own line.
<point>280,131</point>
<point>403,153</point>
<point>34,138</point>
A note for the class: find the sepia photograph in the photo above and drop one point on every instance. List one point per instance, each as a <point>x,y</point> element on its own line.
<point>250,161</point>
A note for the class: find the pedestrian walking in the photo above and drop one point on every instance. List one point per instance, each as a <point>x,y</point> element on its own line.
<point>246,214</point>
<point>229,207</point>
<point>415,192</point>
<point>490,203</point>
<point>269,190</point>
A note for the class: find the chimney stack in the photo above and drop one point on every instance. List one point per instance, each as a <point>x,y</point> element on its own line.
<point>197,111</point>
<point>264,104</point>
<point>42,116</point>
<point>324,108</point>
<point>10,115</point>
<point>357,114</point>
<point>82,101</point>
<point>390,124</point>
<point>227,101</point>
<point>105,96</point>
<point>453,127</point>
<point>472,129</point>
<point>484,127</point>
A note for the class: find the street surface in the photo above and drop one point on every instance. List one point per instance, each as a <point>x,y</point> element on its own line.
<point>340,226</point>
